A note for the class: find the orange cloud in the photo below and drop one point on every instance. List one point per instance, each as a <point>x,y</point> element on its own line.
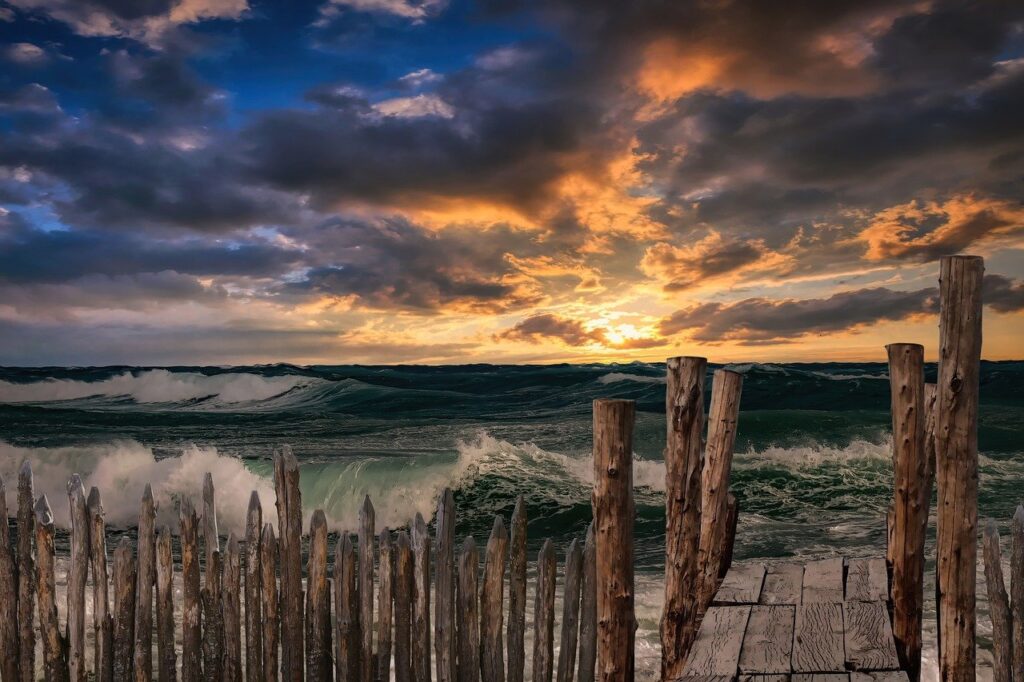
<point>712,259</point>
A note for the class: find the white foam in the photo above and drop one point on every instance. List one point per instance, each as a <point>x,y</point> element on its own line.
<point>614,377</point>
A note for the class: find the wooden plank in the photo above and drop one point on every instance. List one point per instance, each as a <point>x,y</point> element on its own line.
<point>818,638</point>
<point>869,642</point>
<point>742,585</point>
<point>867,580</point>
<point>707,678</point>
<point>820,677</point>
<point>823,581</point>
<point>716,651</point>
<point>492,664</point>
<point>764,678</point>
<point>783,584</point>
<point>880,676</point>
<point>768,643</point>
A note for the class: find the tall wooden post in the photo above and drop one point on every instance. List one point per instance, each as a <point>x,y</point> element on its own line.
<point>588,610</point>
<point>191,606</point>
<point>570,613</point>
<point>544,614</point>
<point>684,412</point>
<point>26,574</point>
<point>8,597</point>
<point>956,450</point>
<point>614,514</point>
<point>1017,590</point>
<point>232,598</point>
<point>167,659</point>
<point>444,589</point>
<point>289,524</point>
<point>906,381</point>
<point>468,613</point>
<point>253,592</point>
<point>403,608</point>
<point>78,572</point>
<point>421,607</point>
<point>213,620</point>
<point>998,606</point>
<point>492,664</point>
<point>55,666</point>
<point>211,537</point>
<point>123,586</point>
<point>367,533</point>
<point>318,600</point>
<point>102,621</point>
<point>722,418</point>
<point>271,627</point>
<point>146,555</point>
<point>346,608</point>
<point>385,604</point>
<point>517,593</point>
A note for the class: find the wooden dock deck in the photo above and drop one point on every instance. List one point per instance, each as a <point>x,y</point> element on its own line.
<point>821,621</point>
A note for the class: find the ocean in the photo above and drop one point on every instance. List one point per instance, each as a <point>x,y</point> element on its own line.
<point>812,470</point>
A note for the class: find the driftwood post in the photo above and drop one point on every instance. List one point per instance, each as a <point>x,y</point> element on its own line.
<point>517,594</point>
<point>468,616</point>
<point>544,614</point>
<point>614,514</point>
<point>213,620</point>
<point>231,597</point>
<point>318,603</point>
<point>725,406</point>
<point>998,606</point>
<point>55,665</point>
<point>167,659</point>
<point>78,573</point>
<point>289,517</point>
<point>444,588</point>
<point>8,597</point>
<point>684,411</point>
<point>268,583</point>
<point>385,598</point>
<point>102,621</point>
<point>403,608</point>
<point>26,574</point>
<point>346,607</point>
<point>956,450</point>
<point>732,517</point>
<point>1017,590</point>
<point>211,538</point>
<point>124,580</point>
<point>367,531</point>
<point>906,380</point>
<point>421,607</point>
<point>492,664</point>
<point>253,593</point>
<point>191,606</point>
<point>588,610</point>
<point>570,612</point>
<point>145,554</point>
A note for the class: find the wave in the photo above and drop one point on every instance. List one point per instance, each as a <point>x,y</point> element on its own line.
<point>613,377</point>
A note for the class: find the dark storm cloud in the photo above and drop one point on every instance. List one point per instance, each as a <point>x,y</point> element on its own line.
<point>541,328</point>
<point>1002,294</point>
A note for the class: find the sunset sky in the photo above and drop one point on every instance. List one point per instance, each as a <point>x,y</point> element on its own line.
<point>399,181</point>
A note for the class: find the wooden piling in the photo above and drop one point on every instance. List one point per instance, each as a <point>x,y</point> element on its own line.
<point>8,596</point>
<point>421,606</point>
<point>998,607</point>
<point>588,610</point>
<point>722,418</point>
<point>253,591</point>
<point>318,600</point>
<point>468,614</point>
<point>931,397</point>
<point>404,590</point>
<point>346,607</point>
<point>367,531</point>
<point>956,449</point>
<point>1017,590</point>
<point>191,605</point>
<point>614,514</point>
<point>570,612</point>
<point>289,516</point>
<point>123,585</point>
<point>231,605</point>
<point>385,599</point>
<point>78,573</point>
<point>167,659</point>
<point>732,518</point>
<point>444,589</point>
<point>270,628</point>
<point>684,410</point>
<point>55,666</point>
<point>26,574</point>
<point>213,620</point>
<point>544,614</point>
<point>102,621</point>
<point>211,538</point>
<point>517,593</point>
<point>906,381</point>
<point>145,555</point>
<point>492,664</point>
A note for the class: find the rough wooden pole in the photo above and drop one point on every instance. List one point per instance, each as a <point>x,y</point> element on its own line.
<point>213,620</point>
<point>421,607</point>
<point>468,614</point>
<point>211,538</point>
<point>403,608</point>
<point>931,397</point>
<point>268,583</point>
<point>55,666</point>
<point>367,531</point>
<point>684,412</point>
<point>346,607</point>
<point>732,517</point>
<point>26,574</point>
<point>444,588</point>
<point>725,406</point>
<point>588,610</point>
<point>956,449</point>
<point>1017,590</point>
<point>544,614</point>
<point>102,621</point>
<point>570,612</point>
<point>998,607</point>
<point>232,611</point>
<point>492,659</point>
<point>517,594</point>
<point>191,606</point>
<point>289,513</point>
<point>123,586</point>
<point>78,573</point>
<point>145,554</point>
<point>318,600</point>
<point>167,659</point>
<point>385,599</point>
<point>253,592</point>
<point>906,381</point>
<point>8,597</point>
<point>614,514</point>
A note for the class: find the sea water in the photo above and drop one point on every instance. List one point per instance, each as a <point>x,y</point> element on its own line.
<point>812,470</point>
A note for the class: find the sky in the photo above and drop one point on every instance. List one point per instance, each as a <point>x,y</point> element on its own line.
<point>441,181</point>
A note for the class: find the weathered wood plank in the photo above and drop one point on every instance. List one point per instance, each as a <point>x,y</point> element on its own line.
<point>468,613</point>
<point>232,606</point>
<point>716,651</point>
<point>367,535</point>
<point>880,676</point>
<point>867,580</point>
<point>998,607</point>
<point>26,574</point>
<point>346,609</point>
<point>823,581</point>
<point>403,608</point>
<point>123,588</point>
<point>78,572</point>
<point>103,623</point>
<point>1017,590</point>
<point>820,677</point>
<point>544,614</point>
<point>385,604</point>
<point>763,678</point>
<point>191,606</point>
<point>783,584</point>
<point>492,665</point>
<point>212,596</point>
<point>421,605</point>
<point>9,597</point>
<point>444,589</point>
<point>55,665</point>
<point>818,638</point>
<point>146,556</point>
<point>318,603</point>
<point>742,585</point>
<point>289,525</point>
<point>253,593</point>
<point>768,643</point>
<point>270,631</point>
<point>588,610</point>
<point>167,657</point>
<point>517,594</point>
<point>570,613</point>
<point>868,640</point>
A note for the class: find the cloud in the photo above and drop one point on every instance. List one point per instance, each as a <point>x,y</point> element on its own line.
<point>711,259</point>
<point>545,326</point>
<point>415,10</point>
<point>420,77</point>
<point>415,107</point>
<point>1002,294</point>
<point>26,54</point>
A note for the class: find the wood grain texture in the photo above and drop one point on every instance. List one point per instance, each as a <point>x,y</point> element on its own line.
<point>26,573</point>
<point>818,638</point>
<point>468,613</point>
<point>348,640</point>
<point>820,677</point>
<point>385,604</point>
<point>716,651</point>
<point>544,614</point>
<point>570,622</point>
<point>191,604</point>
<point>367,535</point>
<point>289,525</point>
<point>55,665</point>
<point>783,584</point>
<point>318,603</point>
<point>768,642</point>
<point>1017,590</point>
<point>421,605</point>
<point>742,585</point>
<point>867,580</point>
<point>232,608</point>
<point>823,581</point>
<point>998,607</point>
<point>253,591</point>
<point>588,610</point>
<point>271,626</point>
<point>403,607</point>
<point>167,656</point>
<point>123,586</point>
<point>212,596</point>
<point>78,573</point>
<point>492,664</point>
<point>880,676</point>
<point>517,593</point>
<point>444,588</point>
<point>869,639</point>
<point>103,622</point>
<point>8,596</point>
<point>145,552</point>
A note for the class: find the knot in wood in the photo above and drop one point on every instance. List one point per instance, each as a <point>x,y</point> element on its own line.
<point>613,471</point>
<point>956,383</point>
